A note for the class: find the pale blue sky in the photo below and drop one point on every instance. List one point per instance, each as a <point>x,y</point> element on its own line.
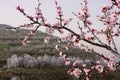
<point>9,14</point>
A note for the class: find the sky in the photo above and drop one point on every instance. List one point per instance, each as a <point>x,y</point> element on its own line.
<point>9,15</point>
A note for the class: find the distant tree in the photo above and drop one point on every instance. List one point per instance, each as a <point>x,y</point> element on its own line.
<point>110,18</point>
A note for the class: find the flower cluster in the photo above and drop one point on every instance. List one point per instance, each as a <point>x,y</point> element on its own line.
<point>110,20</point>
<point>59,9</point>
<point>27,60</point>
<point>116,2</point>
<point>87,34</point>
<point>84,15</point>
<point>105,8</point>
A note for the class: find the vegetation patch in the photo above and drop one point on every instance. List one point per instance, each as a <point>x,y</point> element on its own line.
<point>2,47</point>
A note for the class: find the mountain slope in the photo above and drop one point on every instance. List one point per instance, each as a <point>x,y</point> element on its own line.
<point>12,41</point>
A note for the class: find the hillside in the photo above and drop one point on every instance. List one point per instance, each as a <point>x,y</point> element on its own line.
<point>12,41</point>
<point>14,38</point>
<point>10,44</point>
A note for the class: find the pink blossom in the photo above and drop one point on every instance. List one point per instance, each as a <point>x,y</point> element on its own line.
<point>88,22</point>
<point>100,68</point>
<point>86,78</point>
<point>113,21</point>
<point>66,48</point>
<point>85,69</point>
<point>67,21</point>
<point>38,16</point>
<point>76,39</point>
<point>47,24</point>
<point>28,41</point>
<point>84,65</point>
<point>46,40</point>
<point>79,16</point>
<point>57,47</point>
<point>75,64</point>
<point>49,31</point>
<point>77,72</point>
<point>112,57</point>
<point>70,71</point>
<point>64,56</point>
<point>67,62</point>
<point>32,33</point>
<point>59,11</point>
<point>26,38</point>
<point>105,8</point>
<point>61,54</point>
<point>111,65</point>
<point>85,9</point>
<point>20,9</point>
<point>82,35</point>
<point>23,42</point>
<point>38,12</point>
<point>98,62</point>
<point>57,24</point>
<point>118,3</point>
